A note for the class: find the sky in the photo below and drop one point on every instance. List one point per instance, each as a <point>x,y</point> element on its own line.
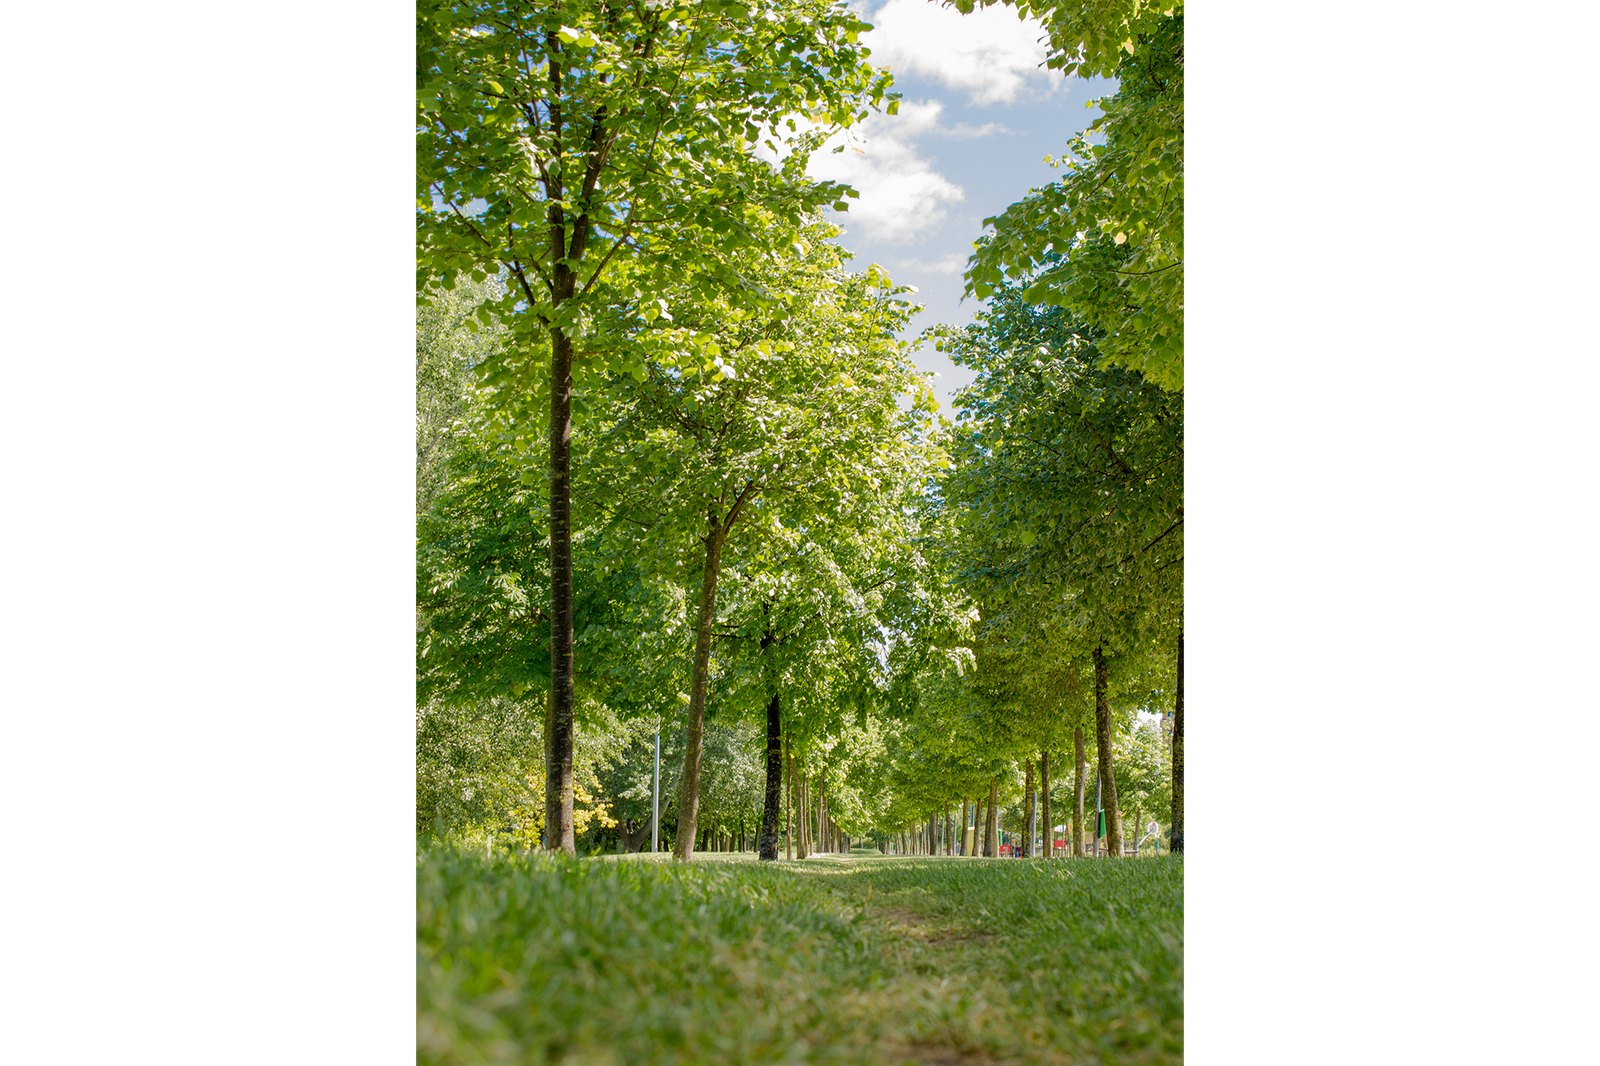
<point>977,118</point>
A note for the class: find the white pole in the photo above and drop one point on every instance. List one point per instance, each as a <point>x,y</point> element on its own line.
<point>655,797</point>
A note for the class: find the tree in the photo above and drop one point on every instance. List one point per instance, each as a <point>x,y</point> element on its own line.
<point>789,431</point>
<point>1143,774</point>
<point>1068,491</point>
<point>559,139</point>
<point>450,344</point>
<point>1107,240</point>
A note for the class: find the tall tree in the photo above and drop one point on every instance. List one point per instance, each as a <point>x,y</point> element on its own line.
<point>1107,240</point>
<point>789,431</point>
<point>558,138</point>
<point>1068,487</point>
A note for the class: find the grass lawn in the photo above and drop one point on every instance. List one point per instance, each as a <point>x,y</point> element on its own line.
<point>860,960</point>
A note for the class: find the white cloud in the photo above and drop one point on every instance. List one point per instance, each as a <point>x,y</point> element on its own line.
<point>954,263</point>
<point>991,52</point>
<point>961,131</point>
<point>901,194</point>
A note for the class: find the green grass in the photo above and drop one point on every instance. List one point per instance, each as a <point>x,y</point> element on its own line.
<point>865,960</point>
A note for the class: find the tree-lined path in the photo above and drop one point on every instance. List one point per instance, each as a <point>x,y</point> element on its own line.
<point>859,960</point>
<point>701,562</point>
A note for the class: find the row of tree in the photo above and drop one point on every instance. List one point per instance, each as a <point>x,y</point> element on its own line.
<point>676,468</point>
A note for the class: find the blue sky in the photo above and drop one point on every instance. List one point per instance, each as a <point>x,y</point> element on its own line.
<point>978,117</point>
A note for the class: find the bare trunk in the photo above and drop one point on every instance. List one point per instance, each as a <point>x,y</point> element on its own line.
<point>1044,798</point>
<point>1102,739</point>
<point>977,825</point>
<point>822,818</point>
<point>806,849</point>
<point>982,834</point>
<point>1077,792</point>
<point>1028,813</point>
<point>767,842</point>
<point>991,835</point>
<point>819,831</point>
<point>549,761</point>
<point>558,763</point>
<point>689,787</point>
<point>788,801</point>
<point>1175,834</point>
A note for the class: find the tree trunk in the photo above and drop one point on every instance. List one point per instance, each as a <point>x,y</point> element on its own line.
<point>818,812</point>
<point>1029,822</point>
<point>982,834</point>
<point>801,810</point>
<point>689,786</point>
<point>549,761</point>
<point>806,843</point>
<point>822,815</point>
<point>800,850</point>
<point>979,837</point>
<point>1102,738</point>
<point>991,836</point>
<point>767,842</point>
<point>822,818</point>
<point>1175,834</point>
<point>1044,797</point>
<point>949,831</point>
<point>1077,792</point>
<point>558,764</point>
<point>788,801</point>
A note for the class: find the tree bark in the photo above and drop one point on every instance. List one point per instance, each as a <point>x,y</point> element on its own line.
<point>788,801</point>
<point>689,786</point>
<point>822,815</point>
<point>803,783</point>
<point>767,843</point>
<point>1028,820</point>
<point>991,836</point>
<point>980,836</point>
<point>983,828</point>
<point>1077,792</point>
<point>1175,834</point>
<point>949,831</point>
<point>1102,737</point>
<point>564,281</point>
<point>549,761</point>
<point>1044,796</point>
<point>558,764</point>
